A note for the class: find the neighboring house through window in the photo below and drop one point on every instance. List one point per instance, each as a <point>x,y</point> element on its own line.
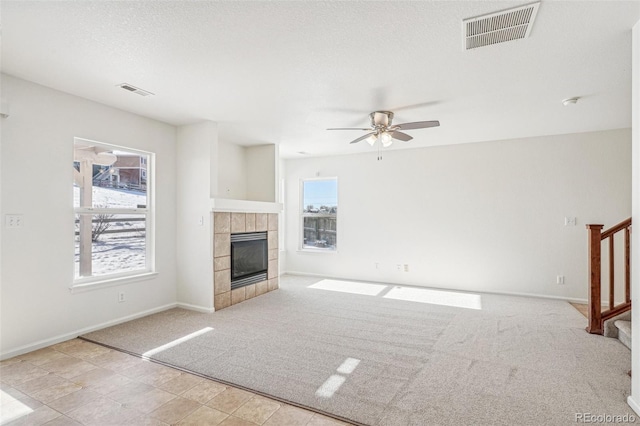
<point>319,214</point>
<point>113,212</point>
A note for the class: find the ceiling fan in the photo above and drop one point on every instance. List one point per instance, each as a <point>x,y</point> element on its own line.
<point>384,131</point>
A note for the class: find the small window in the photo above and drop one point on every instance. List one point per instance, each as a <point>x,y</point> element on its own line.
<point>319,214</point>
<point>112,211</point>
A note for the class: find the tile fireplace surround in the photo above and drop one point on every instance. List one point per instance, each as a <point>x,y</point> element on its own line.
<point>225,224</point>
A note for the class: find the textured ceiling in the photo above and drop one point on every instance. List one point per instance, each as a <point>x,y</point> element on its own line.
<point>282,72</point>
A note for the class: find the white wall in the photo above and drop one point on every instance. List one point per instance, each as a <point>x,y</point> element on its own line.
<point>484,217</point>
<point>282,217</point>
<point>246,173</point>
<point>232,172</point>
<point>634,399</point>
<point>196,152</point>
<point>37,307</point>
<point>261,173</point>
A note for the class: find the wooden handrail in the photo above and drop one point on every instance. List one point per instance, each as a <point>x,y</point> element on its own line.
<point>615,228</point>
<point>597,317</point>
<point>621,308</point>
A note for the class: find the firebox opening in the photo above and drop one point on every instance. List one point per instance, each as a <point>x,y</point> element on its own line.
<point>249,258</point>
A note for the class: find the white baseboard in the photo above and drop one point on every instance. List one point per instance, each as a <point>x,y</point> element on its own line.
<point>503,293</point>
<point>196,308</point>
<point>633,404</point>
<point>305,274</point>
<point>72,335</point>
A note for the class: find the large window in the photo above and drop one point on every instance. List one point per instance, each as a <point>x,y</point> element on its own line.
<point>112,201</point>
<point>319,214</point>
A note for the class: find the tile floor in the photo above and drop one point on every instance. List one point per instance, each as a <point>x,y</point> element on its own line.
<point>80,383</point>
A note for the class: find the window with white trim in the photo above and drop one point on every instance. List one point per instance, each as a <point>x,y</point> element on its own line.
<point>319,209</point>
<point>113,211</point>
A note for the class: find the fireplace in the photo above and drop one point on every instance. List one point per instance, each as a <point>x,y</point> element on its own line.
<point>247,231</point>
<point>249,258</point>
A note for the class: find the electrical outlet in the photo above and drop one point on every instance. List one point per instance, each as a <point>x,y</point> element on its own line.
<point>560,279</point>
<point>13,221</point>
<point>569,221</point>
<point>121,297</point>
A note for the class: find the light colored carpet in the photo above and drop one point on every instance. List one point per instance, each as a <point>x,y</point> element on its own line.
<point>379,360</point>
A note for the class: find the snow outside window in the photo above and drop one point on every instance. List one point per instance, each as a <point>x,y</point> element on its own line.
<point>113,212</point>
<point>319,214</point>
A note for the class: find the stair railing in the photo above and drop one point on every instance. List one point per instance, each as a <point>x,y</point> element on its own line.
<point>597,316</point>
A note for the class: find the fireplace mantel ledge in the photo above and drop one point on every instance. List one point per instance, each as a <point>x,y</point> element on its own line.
<point>246,206</point>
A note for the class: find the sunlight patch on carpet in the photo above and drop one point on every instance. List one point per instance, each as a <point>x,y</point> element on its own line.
<point>348,366</point>
<point>333,383</point>
<point>176,342</point>
<point>366,289</point>
<point>330,386</point>
<point>436,297</point>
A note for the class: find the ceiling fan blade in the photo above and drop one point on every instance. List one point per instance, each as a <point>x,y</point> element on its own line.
<point>401,136</point>
<point>350,128</point>
<point>416,125</point>
<point>363,137</point>
<point>415,106</point>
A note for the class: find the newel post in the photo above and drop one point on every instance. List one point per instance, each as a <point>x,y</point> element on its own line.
<point>595,302</point>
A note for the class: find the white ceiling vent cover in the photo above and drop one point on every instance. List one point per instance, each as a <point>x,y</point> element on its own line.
<point>499,27</point>
<point>134,89</point>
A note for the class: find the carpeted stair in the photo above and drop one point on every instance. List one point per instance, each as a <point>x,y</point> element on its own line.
<point>619,328</point>
<point>624,332</point>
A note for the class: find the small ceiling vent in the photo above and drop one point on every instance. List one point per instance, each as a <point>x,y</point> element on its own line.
<point>134,89</point>
<point>499,27</point>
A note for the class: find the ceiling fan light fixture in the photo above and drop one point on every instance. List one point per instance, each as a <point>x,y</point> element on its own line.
<point>371,139</point>
<point>386,139</point>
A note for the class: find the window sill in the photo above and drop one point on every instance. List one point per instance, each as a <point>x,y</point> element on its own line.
<point>310,250</point>
<point>82,286</point>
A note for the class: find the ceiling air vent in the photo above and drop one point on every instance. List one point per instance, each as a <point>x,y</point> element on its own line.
<point>134,89</point>
<point>499,27</point>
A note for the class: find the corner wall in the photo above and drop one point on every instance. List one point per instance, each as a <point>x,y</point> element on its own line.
<point>262,181</point>
<point>634,399</point>
<point>36,307</point>
<point>231,173</point>
<point>197,146</point>
<point>479,217</point>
